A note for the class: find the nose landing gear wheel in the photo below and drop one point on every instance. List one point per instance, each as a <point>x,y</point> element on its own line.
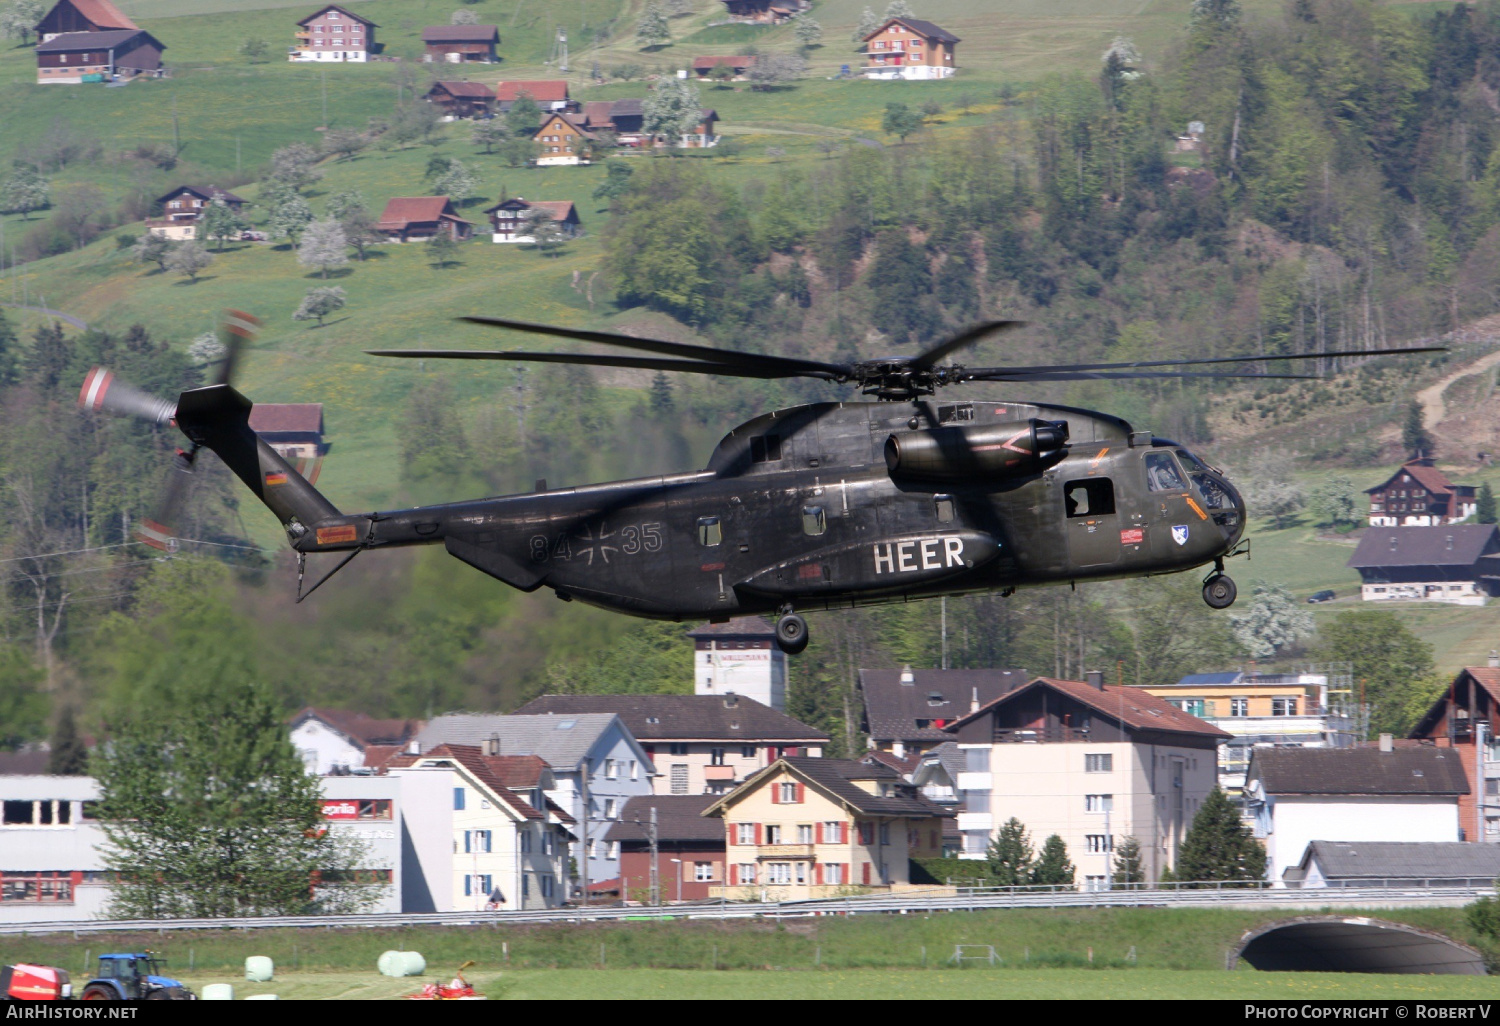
<point>1219,591</point>
<point>791,633</point>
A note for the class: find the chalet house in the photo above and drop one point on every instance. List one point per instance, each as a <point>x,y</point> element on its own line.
<point>332,741</point>
<point>508,218</point>
<point>294,430</point>
<point>461,99</point>
<point>549,94</point>
<point>1420,495</point>
<point>813,828</point>
<point>626,118</point>
<point>103,56</point>
<point>1458,564</point>
<point>460,44</point>
<point>703,67</point>
<point>690,848</point>
<point>1395,864</point>
<point>1465,719</point>
<point>419,218</point>
<point>911,49</point>
<point>333,34</point>
<point>700,744</point>
<point>181,207</point>
<point>562,140</point>
<point>1090,762</point>
<point>703,134</point>
<point>82,16</point>
<point>740,657</point>
<point>1391,793</point>
<point>765,12</point>
<point>906,710</point>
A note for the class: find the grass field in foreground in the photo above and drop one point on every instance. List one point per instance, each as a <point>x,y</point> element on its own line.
<point>885,984</point>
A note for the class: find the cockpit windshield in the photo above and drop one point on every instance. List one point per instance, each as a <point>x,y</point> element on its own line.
<point>1162,474</point>
<point>1209,484</point>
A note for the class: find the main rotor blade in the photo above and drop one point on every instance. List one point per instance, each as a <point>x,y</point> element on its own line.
<point>584,359</point>
<point>968,337</point>
<point>1220,359</point>
<point>999,374</point>
<point>788,367</point>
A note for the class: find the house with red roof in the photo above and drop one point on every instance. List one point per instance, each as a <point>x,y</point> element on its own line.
<point>911,49</point>
<point>82,16</point>
<point>419,218</point>
<point>460,44</point>
<point>338,742</point>
<point>93,41</point>
<point>1089,761</point>
<point>1465,717</point>
<point>508,218</point>
<point>294,430</point>
<point>549,94</point>
<point>336,34</point>
<point>1420,495</point>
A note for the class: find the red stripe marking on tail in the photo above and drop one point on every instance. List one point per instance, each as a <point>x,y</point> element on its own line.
<point>95,384</point>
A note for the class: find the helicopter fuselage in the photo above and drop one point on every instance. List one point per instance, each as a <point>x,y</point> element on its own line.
<point>813,508</point>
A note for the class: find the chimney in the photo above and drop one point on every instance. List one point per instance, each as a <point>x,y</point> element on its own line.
<point>1096,679</point>
<point>413,748</point>
<point>731,700</point>
<point>492,745</point>
<point>1494,660</point>
<point>907,677</point>
<point>974,701</point>
<point>1387,742</point>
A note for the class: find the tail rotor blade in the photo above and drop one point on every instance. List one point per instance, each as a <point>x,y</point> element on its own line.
<point>236,329</point>
<point>103,392</point>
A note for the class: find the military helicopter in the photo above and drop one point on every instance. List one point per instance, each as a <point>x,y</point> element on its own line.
<point>823,506</point>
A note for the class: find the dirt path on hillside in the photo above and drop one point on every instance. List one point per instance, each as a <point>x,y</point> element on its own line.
<point>1431,397</point>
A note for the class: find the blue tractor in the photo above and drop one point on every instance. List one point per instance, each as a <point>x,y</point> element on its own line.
<point>135,977</point>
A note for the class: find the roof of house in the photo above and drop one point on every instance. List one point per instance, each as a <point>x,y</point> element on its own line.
<point>206,192</point>
<point>563,741</point>
<point>949,756</point>
<point>103,13</point>
<point>1135,707</point>
<point>541,90</point>
<point>359,728</point>
<point>270,418</point>
<point>1424,473</point>
<point>903,766</point>
<point>1448,545</point>
<point>573,121</point>
<point>925,29</point>
<point>734,61</point>
<point>739,627</point>
<point>102,40</point>
<point>630,106</point>
<point>683,717</point>
<point>597,113</point>
<point>561,210</point>
<point>472,759</point>
<point>30,761</point>
<point>342,10</point>
<point>1199,680</point>
<point>404,210</point>
<point>679,818</point>
<point>460,34</point>
<point>1359,771</point>
<point>893,708</point>
<point>1487,677</point>
<point>478,90</point>
<point>836,778</point>
<point>1385,859</point>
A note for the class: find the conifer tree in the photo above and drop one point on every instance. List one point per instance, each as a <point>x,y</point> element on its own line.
<point>1414,436</point>
<point>1053,866</point>
<point>1219,846</point>
<point>69,756</point>
<point>1128,871</point>
<point>1484,510</point>
<point>1011,855</point>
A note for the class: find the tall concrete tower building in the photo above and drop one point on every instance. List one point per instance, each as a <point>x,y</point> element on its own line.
<point>741,658</point>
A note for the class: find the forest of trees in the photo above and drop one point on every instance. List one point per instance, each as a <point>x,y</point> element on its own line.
<point>1346,192</point>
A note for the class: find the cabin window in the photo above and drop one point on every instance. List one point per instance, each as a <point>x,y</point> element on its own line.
<point>765,449</point>
<point>1161,473</point>
<point>710,531</point>
<point>1094,497</point>
<point>944,506</point>
<point>955,413</point>
<point>814,522</point>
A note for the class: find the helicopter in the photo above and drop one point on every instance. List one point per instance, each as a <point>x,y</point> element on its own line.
<point>823,506</point>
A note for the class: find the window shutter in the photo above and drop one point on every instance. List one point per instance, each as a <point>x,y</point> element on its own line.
<point>820,839</point>
<point>867,874</point>
<point>845,877</point>
<point>734,874</point>
<point>801,793</point>
<point>734,833</point>
<point>718,872</point>
<point>775,794</point>
<point>818,868</point>
<point>758,835</point>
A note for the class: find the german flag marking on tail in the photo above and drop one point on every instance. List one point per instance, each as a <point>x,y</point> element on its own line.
<point>277,478</point>
<point>337,535</point>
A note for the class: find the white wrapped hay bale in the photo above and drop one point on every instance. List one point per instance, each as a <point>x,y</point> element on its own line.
<point>259,969</point>
<point>402,963</point>
<point>218,992</point>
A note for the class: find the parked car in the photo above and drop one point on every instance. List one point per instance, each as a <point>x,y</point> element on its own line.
<point>1322,596</point>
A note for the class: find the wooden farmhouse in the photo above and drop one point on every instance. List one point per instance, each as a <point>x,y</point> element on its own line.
<point>562,140</point>
<point>508,218</point>
<point>460,44</point>
<point>1456,563</point>
<point>461,99</point>
<point>703,67</point>
<point>182,206</point>
<point>764,12</point>
<point>82,16</point>
<point>333,34</point>
<point>1420,495</point>
<point>419,218</point>
<point>549,94</point>
<point>909,48</point>
<point>626,118</point>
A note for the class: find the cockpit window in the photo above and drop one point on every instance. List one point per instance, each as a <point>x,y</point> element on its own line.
<point>1162,474</point>
<point>1208,483</point>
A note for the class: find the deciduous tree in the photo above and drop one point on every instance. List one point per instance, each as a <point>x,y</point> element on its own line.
<point>867,23</point>
<point>24,190</point>
<point>458,183</point>
<point>320,303</point>
<point>295,166</point>
<point>774,69</point>
<point>23,705</point>
<point>463,18</point>
<point>290,218</point>
<point>188,259</point>
<point>219,221</point>
<point>1385,657</point>
<point>344,142</point>
<point>616,180</point>
<point>355,218</point>
<point>546,234</point>
<point>487,132</point>
<point>18,19</point>
<point>901,120</point>
<point>1333,503</point>
<point>1272,622</point>
<point>524,116</point>
<point>152,249</point>
<point>653,29</point>
<point>808,32</point>
<point>898,9</point>
<point>323,246</point>
<point>673,109</point>
<point>441,249</point>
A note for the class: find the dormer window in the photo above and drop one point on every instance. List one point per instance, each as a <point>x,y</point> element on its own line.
<point>936,698</point>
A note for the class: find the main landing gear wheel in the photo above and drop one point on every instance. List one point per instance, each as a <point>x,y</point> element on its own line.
<point>1219,591</point>
<point>791,633</point>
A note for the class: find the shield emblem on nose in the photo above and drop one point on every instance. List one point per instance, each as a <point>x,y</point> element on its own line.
<point>1180,533</point>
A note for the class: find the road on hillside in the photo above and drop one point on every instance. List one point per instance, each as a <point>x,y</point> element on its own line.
<point>76,322</point>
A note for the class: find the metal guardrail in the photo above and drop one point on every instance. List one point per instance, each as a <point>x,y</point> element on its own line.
<point>969,899</point>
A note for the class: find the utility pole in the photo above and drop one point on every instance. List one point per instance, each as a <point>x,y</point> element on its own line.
<point>236,154</point>
<point>655,853</point>
<point>323,72</point>
<point>945,630</point>
<point>583,828</point>
<point>176,135</point>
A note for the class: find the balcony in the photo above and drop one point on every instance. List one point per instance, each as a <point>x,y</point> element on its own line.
<point>718,772</point>
<point>785,851</point>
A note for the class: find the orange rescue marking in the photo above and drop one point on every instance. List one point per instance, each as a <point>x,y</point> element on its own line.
<point>1201,515</point>
<point>1095,461</point>
<point>335,535</point>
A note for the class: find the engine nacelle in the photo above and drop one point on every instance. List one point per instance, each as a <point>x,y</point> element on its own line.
<point>961,454</point>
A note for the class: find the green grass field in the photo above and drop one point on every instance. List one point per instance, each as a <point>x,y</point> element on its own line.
<point>880,985</point>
